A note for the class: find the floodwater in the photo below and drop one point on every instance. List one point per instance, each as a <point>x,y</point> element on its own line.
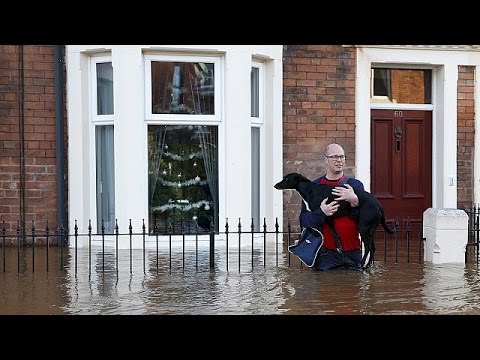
<point>186,285</point>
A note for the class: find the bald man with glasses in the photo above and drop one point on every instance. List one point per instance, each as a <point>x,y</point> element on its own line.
<point>347,254</point>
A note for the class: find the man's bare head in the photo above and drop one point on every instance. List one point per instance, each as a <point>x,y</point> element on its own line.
<point>334,161</point>
<point>334,149</point>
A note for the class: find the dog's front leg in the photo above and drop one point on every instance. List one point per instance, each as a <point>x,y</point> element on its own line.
<point>306,205</point>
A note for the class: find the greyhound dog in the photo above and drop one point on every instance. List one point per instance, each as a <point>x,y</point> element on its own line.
<point>371,213</point>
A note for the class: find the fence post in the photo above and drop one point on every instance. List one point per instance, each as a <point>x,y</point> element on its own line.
<point>212,244</point>
<point>446,234</point>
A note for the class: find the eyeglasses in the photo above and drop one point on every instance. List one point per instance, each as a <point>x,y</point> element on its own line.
<point>336,157</point>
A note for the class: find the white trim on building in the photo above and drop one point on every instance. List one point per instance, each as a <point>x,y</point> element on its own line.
<point>232,115</point>
<point>444,62</point>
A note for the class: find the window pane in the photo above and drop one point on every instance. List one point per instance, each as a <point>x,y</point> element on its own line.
<point>381,83</point>
<point>254,86</point>
<point>183,176</point>
<point>105,178</point>
<point>403,86</point>
<point>256,177</point>
<point>182,88</point>
<point>104,89</point>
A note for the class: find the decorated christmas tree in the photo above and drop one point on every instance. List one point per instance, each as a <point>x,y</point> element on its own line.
<point>183,176</point>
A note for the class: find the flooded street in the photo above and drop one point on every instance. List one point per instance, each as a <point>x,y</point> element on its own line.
<point>184,288</point>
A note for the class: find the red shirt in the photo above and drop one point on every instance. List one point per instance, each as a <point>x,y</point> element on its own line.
<point>346,227</point>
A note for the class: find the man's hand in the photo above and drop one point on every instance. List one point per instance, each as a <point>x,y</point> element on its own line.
<point>345,193</point>
<point>329,209</point>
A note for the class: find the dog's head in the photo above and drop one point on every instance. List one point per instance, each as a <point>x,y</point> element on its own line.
<point>290,181</point>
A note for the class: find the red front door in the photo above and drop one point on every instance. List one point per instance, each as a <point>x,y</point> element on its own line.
<point>401,171</point>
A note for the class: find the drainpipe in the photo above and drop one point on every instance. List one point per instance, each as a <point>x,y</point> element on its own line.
<point>59,138</point>
<point>21,131</point>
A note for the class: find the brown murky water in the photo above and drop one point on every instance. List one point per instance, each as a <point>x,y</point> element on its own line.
<point>186,289</point>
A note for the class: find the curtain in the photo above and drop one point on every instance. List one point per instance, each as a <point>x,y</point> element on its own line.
<point>208,141</point>
<point>156,149</point>
<point>105,177</point>
<point>104,89</point>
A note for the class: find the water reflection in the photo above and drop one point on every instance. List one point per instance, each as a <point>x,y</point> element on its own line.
<point>33,289</point>
<point>179,287</point>
<point>451,288</point>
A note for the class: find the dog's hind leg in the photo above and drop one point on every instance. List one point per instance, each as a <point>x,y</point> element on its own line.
<point>366,251</point>
<point>368,239</point>
<point>367,258</point>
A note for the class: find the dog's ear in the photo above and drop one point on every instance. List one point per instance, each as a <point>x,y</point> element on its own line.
<point>299,177</point>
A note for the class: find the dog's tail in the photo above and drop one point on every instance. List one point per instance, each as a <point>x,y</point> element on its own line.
<point>386,227</point>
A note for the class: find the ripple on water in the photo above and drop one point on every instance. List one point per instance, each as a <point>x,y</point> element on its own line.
<point>184,289</point>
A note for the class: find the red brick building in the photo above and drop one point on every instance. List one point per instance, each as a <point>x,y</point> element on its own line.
<point>329,93</point>
<point>28,148</point>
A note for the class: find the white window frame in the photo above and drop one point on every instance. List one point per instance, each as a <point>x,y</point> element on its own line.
<point>182,118</point>
<point>96,120</point>
<point>375,99</point>
<point>259,123</point>
<point>261,93</point>
<point>215,119</point>
<point>376,102</point>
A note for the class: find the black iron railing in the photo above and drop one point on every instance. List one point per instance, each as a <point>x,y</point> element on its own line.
<point>252,245</point>
<point>472,250</point>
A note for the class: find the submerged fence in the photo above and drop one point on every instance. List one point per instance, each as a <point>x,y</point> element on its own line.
<point>163,247</point>
<point>473,243</point>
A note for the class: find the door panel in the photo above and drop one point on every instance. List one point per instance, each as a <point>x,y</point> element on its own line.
<point>382,128</point>
<point>401,172</point>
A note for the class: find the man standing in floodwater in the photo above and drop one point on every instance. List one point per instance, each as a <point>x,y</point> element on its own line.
<point>347,254</point>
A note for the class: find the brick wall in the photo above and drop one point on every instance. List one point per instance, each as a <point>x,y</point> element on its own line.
<point>318,108</point>
<point>39,135</point>
<point>465,136</point>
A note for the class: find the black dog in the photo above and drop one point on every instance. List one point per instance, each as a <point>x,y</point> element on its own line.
<point>371,213</point>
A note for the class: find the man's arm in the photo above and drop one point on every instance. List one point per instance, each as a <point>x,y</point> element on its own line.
<point>313,218</point>
<point>353,199</point>
<point>347,193</point>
